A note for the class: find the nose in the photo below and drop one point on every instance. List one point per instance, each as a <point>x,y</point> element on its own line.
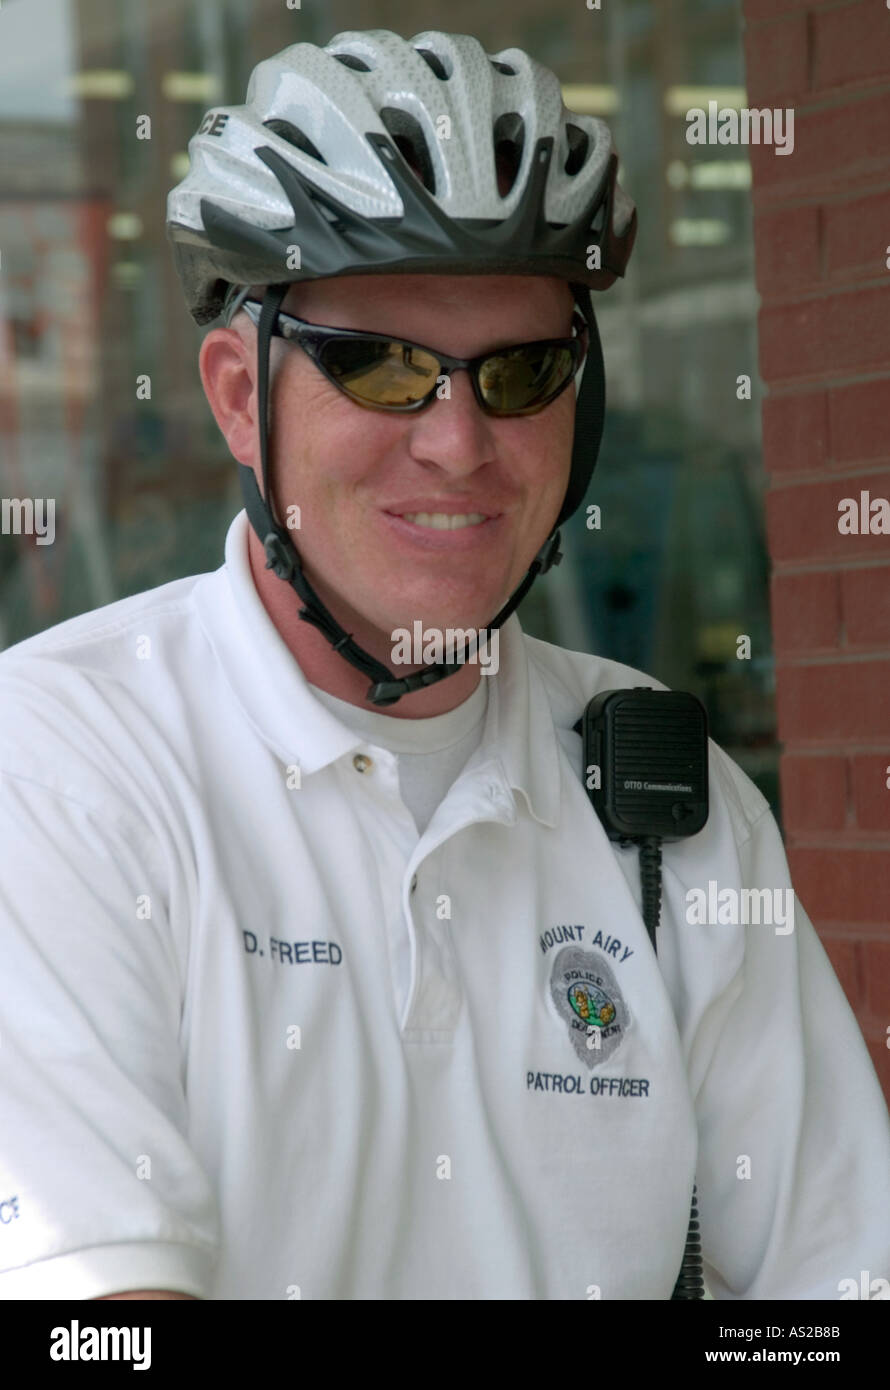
<point>454,432</point>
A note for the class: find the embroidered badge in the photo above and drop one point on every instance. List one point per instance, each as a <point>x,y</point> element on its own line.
<point>587,997</point>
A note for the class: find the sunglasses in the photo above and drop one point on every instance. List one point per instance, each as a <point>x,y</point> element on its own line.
<point>387,373</point>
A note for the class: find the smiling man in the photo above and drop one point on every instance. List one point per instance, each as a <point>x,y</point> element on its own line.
<point>321,977</point>
<point>374,488</point>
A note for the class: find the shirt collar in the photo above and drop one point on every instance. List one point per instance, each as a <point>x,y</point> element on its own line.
<point>279,702</point>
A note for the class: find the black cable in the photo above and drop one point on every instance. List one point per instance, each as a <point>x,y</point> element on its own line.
<point>690,1281</point>
<point>650,878</point>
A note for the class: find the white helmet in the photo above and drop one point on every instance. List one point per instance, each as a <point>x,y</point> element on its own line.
<point>312,159</point>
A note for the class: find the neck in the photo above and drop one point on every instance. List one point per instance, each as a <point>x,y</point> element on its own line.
<point>328,670</point>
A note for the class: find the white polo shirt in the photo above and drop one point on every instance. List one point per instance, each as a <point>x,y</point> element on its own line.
<point>216,1077</point>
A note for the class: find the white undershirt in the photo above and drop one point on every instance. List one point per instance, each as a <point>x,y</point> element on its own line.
<point>431,752</point>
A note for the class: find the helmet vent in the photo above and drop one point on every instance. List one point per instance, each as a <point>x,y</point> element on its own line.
<point>503,67</point>
<point>579,142</point>
<point>508,137</point>
<point>408,136</point>
<point>285,130</point>
<point>349,60</point>
<point>434,62</point>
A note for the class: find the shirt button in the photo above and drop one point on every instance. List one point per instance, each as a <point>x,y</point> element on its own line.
<point>362,763</point>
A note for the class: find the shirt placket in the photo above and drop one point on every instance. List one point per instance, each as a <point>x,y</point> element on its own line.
<point>435,994</point>
<point>372,777</point>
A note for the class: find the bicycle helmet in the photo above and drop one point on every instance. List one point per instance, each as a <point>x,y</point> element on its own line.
<point>378,154</point>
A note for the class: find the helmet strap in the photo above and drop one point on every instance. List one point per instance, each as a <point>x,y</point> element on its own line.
<point>590,409</point>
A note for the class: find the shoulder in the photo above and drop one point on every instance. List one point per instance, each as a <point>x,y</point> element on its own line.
<point>88,640</point>
<point>72,694</point>
<point>572,676</point>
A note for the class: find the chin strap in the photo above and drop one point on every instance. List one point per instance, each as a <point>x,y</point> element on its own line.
<point>281,555</point>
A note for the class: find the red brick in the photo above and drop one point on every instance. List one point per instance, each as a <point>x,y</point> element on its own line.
<point>843,332</point>
<point>802,519</point>
<point>857,233</point>
<point>814,793</point>
<point>769,9</point>
<point>834,148</point>
<point>795,431</point>
<point>792,341</point>
<point>787,249</point>
<point>833,702</point>
<point>858,418</point>
<point>880,1056</point>
<point>846,886</point>
<point>865,605</point>
<point>805,611</point>
<point>851,44</point>
<point>876,977</point>
<point>776,62</point>
<point>871,795</point>
<point>844,957</point>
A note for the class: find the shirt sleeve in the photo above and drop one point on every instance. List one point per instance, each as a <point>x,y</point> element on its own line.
<point>793,1170</point>
<point>100,1191</point>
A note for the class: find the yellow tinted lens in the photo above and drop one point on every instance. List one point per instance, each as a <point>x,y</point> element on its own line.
<point>525,377</point>
<point>381,373</point>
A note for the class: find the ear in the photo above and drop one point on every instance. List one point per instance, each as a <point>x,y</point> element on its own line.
<point>228,374</point>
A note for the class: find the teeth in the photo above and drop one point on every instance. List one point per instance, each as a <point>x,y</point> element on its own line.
<point>441,521</point>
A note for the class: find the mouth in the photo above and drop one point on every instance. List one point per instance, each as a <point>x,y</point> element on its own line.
<point>442,521</point>
<point>441,530</point>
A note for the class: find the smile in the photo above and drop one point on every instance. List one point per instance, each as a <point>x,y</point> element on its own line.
<point>441,521</point>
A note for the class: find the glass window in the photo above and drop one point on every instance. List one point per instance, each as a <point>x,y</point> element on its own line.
<point>101,405</point>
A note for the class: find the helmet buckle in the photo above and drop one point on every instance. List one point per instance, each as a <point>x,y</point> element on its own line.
<point>277,557</point>
<point>549,554</point>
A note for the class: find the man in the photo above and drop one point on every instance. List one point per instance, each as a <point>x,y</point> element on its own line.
<point>298,993</point>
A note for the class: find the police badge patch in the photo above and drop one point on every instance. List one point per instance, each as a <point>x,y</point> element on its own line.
<point>587,996</point>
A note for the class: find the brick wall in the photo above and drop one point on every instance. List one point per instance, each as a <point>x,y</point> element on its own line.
<point>822,242</point>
